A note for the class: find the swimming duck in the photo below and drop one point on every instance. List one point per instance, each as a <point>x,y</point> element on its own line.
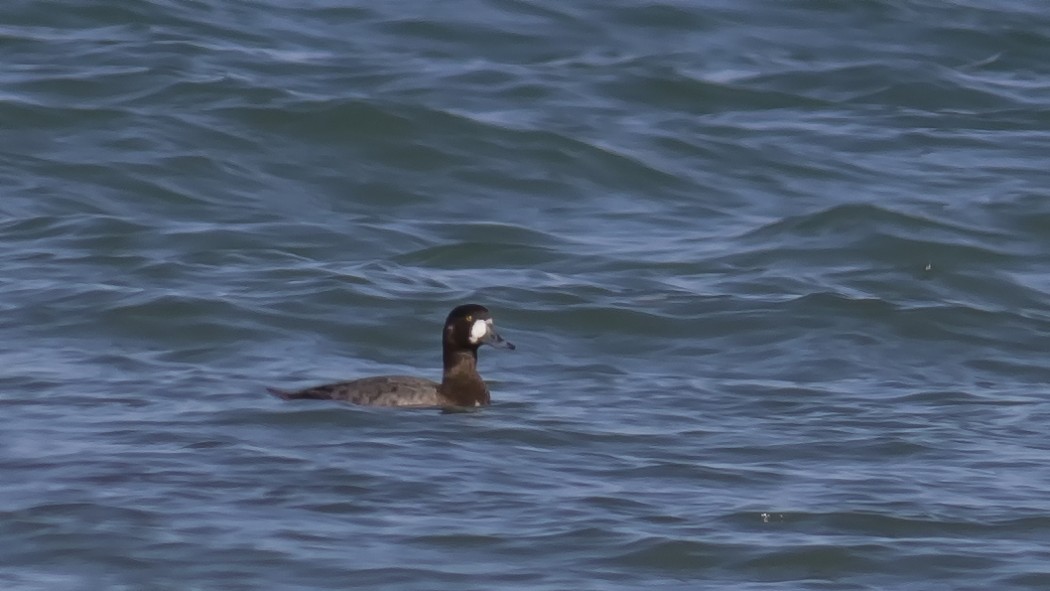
<point>467,327</point>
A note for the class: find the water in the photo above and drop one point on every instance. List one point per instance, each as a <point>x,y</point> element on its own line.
<point>776,274</point>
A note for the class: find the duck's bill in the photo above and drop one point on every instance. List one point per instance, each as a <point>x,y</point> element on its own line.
<point>492,338</point>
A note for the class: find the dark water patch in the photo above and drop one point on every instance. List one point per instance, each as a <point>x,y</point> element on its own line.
<point>847,218</point>
<point>681,93</point>
<point>814,562</point>
<point>666,555</point>
<point>471,255</point>
<point>661,17</point>
<point>328,118</point>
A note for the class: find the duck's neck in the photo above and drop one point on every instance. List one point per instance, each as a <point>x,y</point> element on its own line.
<point>460,382</point>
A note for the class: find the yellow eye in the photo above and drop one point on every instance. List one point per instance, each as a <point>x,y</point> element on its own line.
<point>470,318</point>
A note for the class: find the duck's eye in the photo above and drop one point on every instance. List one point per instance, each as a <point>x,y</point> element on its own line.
<point>470,318</point>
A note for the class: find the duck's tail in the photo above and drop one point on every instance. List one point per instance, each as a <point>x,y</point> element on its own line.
<point>282,394</point>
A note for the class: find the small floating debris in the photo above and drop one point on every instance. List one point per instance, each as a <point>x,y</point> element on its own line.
<point>769,517</point>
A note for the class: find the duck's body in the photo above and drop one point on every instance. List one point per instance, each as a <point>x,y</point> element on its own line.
<point>466,328</point>
<point>375,391</point>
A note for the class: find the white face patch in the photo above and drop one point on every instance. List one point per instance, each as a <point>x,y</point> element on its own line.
<point>479,330</point>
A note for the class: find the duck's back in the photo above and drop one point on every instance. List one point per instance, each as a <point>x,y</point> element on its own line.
<point>377,391</point>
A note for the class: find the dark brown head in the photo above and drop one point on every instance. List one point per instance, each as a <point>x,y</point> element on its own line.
<point>468,327</point>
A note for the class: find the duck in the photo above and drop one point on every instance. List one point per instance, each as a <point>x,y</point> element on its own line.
<point>466,329</point>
